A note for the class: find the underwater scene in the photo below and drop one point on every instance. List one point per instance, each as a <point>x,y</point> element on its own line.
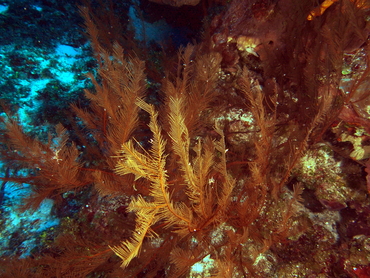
<point>184,138</point>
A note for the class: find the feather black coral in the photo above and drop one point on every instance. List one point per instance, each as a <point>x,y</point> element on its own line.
<point>181,217</point>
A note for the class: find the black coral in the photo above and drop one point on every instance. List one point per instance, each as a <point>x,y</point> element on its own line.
<point>200,209</point>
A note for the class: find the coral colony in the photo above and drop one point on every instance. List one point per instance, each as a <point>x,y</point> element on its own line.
<point>212,139</point>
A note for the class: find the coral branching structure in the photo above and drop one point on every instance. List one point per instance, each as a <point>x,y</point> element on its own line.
<point>208,170</point>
